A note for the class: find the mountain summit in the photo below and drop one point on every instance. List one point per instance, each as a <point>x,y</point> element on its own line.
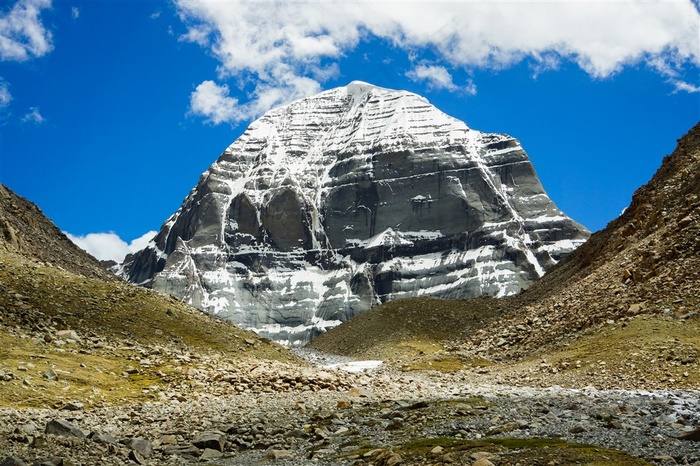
<point>359,195</point>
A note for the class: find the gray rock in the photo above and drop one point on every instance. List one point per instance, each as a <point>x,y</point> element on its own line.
<point>140,445</point>
<point>209,454</point>
<point>74,406</point>
<point>103,438</point>
<point>279,454</point>
<point>12,461</point>
<point>136,457</point>
<point>27,429</point>
<point>55,461</point>
<point>63,428</point>
<point>210,439</point>
<point>70,336</point>
<point>577,429</point>
<point>311,217</point>
<point>188,451</point>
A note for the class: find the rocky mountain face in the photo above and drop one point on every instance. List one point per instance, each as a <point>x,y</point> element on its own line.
<point>622,311</point>
<point>360,195</point>
<point>25,230</point>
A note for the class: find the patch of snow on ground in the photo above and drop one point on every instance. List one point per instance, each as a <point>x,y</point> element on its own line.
<point>335,362</point>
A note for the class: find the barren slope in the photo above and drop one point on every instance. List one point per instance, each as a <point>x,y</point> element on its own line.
<point>104,341</point>
<point>24,229</point>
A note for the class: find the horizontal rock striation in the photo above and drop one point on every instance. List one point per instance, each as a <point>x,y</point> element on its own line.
<point>359,195</point>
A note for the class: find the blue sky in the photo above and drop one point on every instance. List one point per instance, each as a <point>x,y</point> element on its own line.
<point>110,110</point>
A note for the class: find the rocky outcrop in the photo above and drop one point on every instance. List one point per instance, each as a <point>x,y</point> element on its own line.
<point>332,204</point>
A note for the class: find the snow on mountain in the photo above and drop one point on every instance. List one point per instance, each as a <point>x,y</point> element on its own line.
<point>332,204</point>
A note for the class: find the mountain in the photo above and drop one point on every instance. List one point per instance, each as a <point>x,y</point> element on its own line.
<point>622,310</point>
<point>357,196</point>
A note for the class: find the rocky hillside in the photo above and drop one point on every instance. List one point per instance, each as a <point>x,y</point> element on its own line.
<point>357,196</point>
<point>25,230</point>
<point>647,261</point>
<point>628,298</point>
<point>71,331</point>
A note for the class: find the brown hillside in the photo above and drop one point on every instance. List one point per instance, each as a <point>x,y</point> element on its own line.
<point>25,230</point>
<point>110,342</point>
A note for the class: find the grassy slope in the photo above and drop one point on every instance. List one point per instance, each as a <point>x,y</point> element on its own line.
<point>408,327</point>
<point>118,325</point>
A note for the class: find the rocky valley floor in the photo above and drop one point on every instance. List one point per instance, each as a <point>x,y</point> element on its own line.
<point>259,412</point>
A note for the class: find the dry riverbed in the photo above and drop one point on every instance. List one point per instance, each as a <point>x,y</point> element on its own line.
<point>287,414</point>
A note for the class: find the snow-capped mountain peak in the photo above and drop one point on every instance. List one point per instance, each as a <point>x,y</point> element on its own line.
<point>358,195</point>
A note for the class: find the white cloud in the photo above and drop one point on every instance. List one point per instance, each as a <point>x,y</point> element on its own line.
<point>438,77</point>
<point>142,241</point>
<point>682,86</point>
<point>75,12</point>
<point>277,46</point>
<point>22,34</point>
<point>109,246</point>
<point>469,88</point>
<point>5,95</point>
<point>212,101</point>
<point>34,116</point>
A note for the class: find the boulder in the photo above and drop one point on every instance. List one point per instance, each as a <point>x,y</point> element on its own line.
<point>63,428</point>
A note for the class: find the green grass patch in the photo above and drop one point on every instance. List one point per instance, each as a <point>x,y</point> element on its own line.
<point>533,451</point>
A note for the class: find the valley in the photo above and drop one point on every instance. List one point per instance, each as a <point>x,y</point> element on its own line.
<point>597,362</point>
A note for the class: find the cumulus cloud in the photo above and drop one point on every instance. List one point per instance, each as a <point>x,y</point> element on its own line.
<point>437,77</point>
<point>212,102</point>
<point>275,46</point>
<point>22,34</point>
<point>109,246</point>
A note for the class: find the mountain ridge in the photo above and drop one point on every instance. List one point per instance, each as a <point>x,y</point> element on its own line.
<point>26,230</point>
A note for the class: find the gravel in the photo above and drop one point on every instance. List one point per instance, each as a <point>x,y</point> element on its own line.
<point>383,408</point>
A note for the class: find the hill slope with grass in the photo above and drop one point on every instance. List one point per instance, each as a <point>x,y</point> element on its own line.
<point>71,330</point>
<point>622,310</point>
